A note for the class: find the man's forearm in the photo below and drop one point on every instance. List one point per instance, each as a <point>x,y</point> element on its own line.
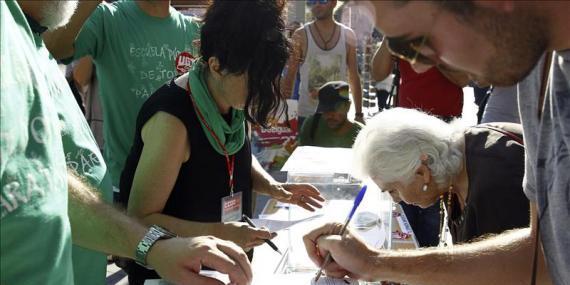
<point>502,259</point>
<point>60,41</point>
<point>99,226</point>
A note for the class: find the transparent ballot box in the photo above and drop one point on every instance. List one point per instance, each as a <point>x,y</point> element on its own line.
<point>329,170</point>
<point>372,220</point>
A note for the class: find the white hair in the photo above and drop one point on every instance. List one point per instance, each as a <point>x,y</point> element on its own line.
<point>389,147</point>
<point>56,13</point>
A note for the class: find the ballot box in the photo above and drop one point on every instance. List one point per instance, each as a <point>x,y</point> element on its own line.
<point>328,169</point>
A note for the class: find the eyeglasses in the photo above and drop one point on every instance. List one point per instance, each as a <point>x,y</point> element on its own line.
<point>409,49</point>
<point>315,2</point>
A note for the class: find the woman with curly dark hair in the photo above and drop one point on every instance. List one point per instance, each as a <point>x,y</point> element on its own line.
<point>190,169</point>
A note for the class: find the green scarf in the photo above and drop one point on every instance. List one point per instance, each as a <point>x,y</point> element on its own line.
<point>231,136</point>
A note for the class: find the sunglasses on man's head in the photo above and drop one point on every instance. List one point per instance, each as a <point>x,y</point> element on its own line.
<point>409,49</point>
<point>315,2</point>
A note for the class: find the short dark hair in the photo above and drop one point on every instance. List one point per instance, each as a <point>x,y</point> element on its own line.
<point>247,36</point>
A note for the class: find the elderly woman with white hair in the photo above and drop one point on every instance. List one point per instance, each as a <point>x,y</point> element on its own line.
<point>476,172</point>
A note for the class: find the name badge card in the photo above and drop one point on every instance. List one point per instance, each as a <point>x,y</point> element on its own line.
<point>231,208</point>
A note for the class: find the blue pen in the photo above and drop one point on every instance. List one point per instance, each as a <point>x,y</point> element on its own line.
<point>357,201</point>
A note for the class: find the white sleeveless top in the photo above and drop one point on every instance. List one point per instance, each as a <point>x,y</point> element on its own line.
<point>319,67</point>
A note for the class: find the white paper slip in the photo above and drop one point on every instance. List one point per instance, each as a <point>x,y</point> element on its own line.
<point>300,279</point>
<point>277,225</point>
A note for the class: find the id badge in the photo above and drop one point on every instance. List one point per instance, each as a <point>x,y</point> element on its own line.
<point>231,208</point>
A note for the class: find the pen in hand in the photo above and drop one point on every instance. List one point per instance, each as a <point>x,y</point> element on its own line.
<point>270,243</point>
<point>328,256</point>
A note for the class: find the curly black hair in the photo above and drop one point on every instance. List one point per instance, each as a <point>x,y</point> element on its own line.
<point>248,36</point>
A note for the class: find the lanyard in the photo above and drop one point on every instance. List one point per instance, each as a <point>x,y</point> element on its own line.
<point>230,159</point>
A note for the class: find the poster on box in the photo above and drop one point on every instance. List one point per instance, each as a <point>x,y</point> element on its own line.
<point>273,145</point>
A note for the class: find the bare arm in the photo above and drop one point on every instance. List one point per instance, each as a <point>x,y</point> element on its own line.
<point>166,148</point>
<point>353,77</point>
<point>381,63</point>
<point>261,180</point>
<point>501,259</point>
<point>60,41</point>
<point>301,194</point>
<point>91,219</point>
<point>83,71</point>
<point>298,44</point>
<point>100,227</point>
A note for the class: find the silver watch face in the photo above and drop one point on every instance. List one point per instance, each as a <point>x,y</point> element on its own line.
<point>154,234</point>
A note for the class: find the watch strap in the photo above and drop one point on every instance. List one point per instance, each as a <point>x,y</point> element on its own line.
<point>154,234</point>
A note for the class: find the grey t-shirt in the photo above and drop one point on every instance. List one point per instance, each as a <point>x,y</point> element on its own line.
<point>502,106</point>
<point>547,162</point>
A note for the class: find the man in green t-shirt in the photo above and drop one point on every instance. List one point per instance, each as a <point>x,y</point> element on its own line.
<point>329,126</point>
<point>82,156</point>
<point>136,46</point>
<point>41,202</point>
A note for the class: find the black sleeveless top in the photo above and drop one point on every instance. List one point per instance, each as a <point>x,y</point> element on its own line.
<point>203,180</point>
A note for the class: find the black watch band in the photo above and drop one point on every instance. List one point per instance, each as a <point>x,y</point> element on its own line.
<point>154,234</point>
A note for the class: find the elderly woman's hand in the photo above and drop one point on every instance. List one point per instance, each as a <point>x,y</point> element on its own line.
<point>301,194</point>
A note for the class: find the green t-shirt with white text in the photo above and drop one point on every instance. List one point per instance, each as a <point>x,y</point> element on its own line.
<point>35,235</point>
<point>82,155</point>
<point>134,54</point>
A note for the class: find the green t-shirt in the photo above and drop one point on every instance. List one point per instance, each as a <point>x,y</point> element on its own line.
<point>35,236</point>
<point>325,137</point>
<point>134,54</point>
<point>83,156</point>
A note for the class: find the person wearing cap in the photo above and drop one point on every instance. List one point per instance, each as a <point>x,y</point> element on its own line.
<point>329,126</point>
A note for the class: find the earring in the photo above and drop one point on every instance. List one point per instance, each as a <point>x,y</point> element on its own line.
<point>424,188</point>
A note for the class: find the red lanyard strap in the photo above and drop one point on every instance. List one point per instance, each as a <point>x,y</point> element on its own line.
<point>230,159</point>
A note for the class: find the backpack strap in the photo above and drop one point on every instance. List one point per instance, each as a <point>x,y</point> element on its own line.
<point>511,135</point>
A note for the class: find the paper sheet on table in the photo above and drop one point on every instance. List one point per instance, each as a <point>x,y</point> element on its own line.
<point>277,279</point>
<point>224,278</point>
<point>277,225</point>
<point>312,159</point>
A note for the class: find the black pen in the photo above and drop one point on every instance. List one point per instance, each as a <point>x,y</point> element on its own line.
<point>270,243</point>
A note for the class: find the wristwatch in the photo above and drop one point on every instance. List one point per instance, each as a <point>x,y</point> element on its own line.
<point>358,115</point>
<point>154,234</point>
